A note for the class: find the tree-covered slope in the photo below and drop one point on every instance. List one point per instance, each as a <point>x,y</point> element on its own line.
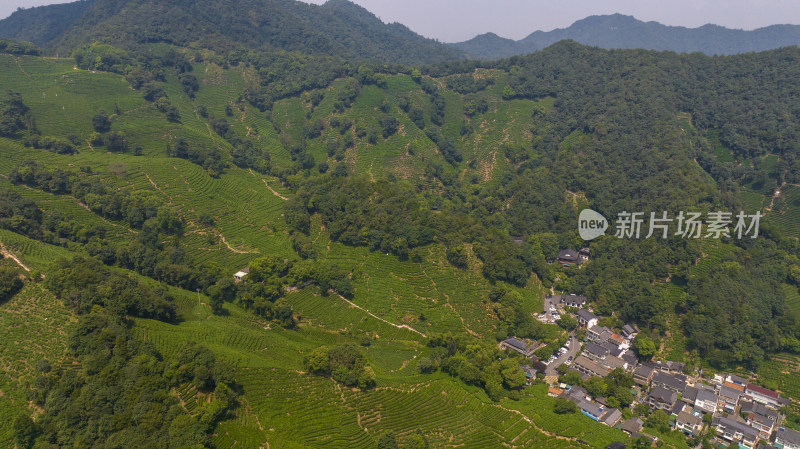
<point>229,220</point>
<point>337,28</point>
<point>42,24</point>
<point>397,222</point>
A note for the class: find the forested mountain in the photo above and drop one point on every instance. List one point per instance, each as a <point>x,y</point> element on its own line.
<point>337,28</point>
<point>43,24</point>
<point>387,226</point>
<point>621,31</point>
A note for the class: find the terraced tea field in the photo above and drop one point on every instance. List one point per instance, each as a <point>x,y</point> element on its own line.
<point>443,411</point>
<point>783,373</point>
<point>396,303</point>
<point>33,326</point>
<point>792,299</point>
<point>786,210</point>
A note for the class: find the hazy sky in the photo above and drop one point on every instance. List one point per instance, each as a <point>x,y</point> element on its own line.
<point>458,20</point>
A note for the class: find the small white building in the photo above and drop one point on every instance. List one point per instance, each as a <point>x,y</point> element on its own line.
<point>241,274</point>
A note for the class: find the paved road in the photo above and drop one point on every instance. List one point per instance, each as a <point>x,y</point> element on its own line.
<point>574,345</point>
<point>548,314</point>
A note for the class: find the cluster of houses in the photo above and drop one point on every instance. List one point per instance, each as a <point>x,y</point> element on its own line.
<point>604,351</point>
<point>739,411</point>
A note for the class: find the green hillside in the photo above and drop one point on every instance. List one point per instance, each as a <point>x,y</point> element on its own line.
<point>336,28</point>
<point>246,208</point>
<point>397,223</point>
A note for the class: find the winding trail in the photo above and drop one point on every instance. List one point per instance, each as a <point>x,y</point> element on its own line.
<point>274,192</point>
<point>11,256</point>
<point>534,425</point>
<point>775,196</point>
<point>237,251</point>
<point>399,326</point>
<point>450,305</point>
<point>154,184</point>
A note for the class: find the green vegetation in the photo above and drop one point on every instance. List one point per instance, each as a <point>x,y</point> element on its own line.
<point>485,366</point>
<point>564,406</point>
<point>86,283</point>
<point>615,387</point>
<point>343,363</point>
<point>15,47</point>
<point>14,116</point>
<point>396,223</point>
<point>118,373</point>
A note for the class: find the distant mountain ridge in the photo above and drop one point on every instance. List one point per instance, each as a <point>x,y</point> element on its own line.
<point>342,28</point>
<point>621,31</point>
<point>336,28</point>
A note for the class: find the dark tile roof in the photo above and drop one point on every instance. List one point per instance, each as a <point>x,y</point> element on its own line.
<point>610,346</point>
<point>688,418</point>
<point>572,298</point>
<point>759,412</point>
<point>600,330</point>
<point>591,408</point>
<point>529,370</point>
<point>631,358</point>
<point>575,394</point>
<point>578,390</point>
<point>611,416</point>
<point>632,425</point>
<point>788,435</point>
<point>661,394</point>
<point>735,427</point>
<point>671,381</point>
<point>568,255</point>
<point>583,363</point>
<point>643,371</point>
<point>628,329</point>
<point>705,395</point>
<point>673,366</point>
<point>595,349</point>
<point>516,343</point>
<point>586,315</point>
<point>613,363</point>
<point>730,392</point>
<point>690,394</point>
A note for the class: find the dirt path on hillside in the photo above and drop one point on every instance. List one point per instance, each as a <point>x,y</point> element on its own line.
<point>449,305</point>
<point>153,183</point>
<point>399,326</point>
<point>775,196</point>
<point>237,251</point>
<point>274,192</point>
<point>534,425</point>
<point>12,256</point>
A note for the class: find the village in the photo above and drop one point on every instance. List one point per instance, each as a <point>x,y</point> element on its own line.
<point>730,408</point>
